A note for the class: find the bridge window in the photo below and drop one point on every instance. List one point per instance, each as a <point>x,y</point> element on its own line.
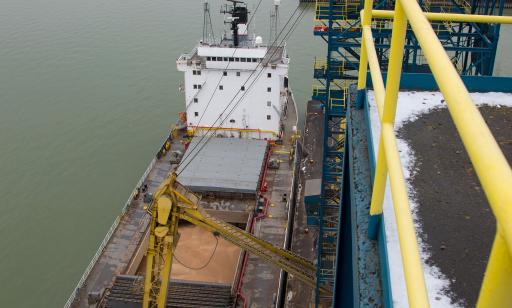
<point>224,73</point>
<point>237,59</point>
<point>269,75</point>
<point>269,103</point>
<point>196,114</point>
<point>243,59</point>
<point>221,87</point>
<point>269,89</point>
<point>268,116</point>
<point>231,59</point>
<point>242,88</point>
<point>195,100</point>
<point>238,73</point>
<point>225,58</point>
<point>208,58</point>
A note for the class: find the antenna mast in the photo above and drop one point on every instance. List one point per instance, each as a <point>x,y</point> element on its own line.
<point>274,21</point>
<point>208,35</point>
<point>238,12</point>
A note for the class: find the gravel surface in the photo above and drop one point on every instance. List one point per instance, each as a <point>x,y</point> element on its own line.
<point>457,223</point>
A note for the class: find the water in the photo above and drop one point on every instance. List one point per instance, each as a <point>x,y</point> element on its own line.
<point>88,90</point>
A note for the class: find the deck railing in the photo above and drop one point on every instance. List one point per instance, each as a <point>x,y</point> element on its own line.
<point>489,162</point>
<point>75,294</point>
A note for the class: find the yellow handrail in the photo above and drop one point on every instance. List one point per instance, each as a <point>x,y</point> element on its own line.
<point>450,17</point>
<point>490,164</point>
<point>231,129</point>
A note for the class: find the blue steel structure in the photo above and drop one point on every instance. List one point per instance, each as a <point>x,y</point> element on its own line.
<point>472,48</point>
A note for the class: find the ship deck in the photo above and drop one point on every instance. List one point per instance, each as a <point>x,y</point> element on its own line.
<point>122,251</point>
<point>304,238</point>
<point>262,281</point>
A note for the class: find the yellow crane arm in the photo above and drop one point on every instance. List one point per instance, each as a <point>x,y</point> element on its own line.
<point>172,202</point>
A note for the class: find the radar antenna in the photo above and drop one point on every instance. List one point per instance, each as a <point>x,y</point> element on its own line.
<point>238,12</point>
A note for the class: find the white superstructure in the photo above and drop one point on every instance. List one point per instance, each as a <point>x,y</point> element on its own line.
<point>238,92</point>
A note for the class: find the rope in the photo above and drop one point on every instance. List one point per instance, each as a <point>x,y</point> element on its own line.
<point>207,262</point>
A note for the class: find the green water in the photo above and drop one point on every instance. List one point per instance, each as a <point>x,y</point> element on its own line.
<point>88,90</point>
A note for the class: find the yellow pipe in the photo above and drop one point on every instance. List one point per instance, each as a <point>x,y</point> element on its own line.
<point>497,284</point>
<point>148,279</point>
<point>381,171</point>
<point>379,181</point>
<point>244,130</point>
<point>166,269</point>
<point>149,272</point>
<point>366,19</point>
<point>395,64</point>
<point>377,81</point>
<point>451,17</point>
<point>168,251</point>
<point>413,270</point>
<point>489,162</point>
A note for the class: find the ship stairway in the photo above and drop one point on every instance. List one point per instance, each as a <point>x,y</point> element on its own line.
<point>127,292</point>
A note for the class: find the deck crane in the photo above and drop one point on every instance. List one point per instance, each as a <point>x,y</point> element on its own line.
<point>172,202</point>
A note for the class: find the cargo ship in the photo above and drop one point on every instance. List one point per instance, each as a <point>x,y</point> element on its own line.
<point>234,145</point>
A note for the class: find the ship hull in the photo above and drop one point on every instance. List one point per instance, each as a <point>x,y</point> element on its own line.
<point>123,248</point>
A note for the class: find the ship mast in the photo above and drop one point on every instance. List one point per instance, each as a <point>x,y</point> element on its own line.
<point>208,34</point>
<point>238,14</point>
<point>274,21</point>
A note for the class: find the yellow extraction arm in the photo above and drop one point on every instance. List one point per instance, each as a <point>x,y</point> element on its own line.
<point>172,202</point>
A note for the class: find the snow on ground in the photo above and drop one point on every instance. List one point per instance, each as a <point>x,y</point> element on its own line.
<point>410,106</point>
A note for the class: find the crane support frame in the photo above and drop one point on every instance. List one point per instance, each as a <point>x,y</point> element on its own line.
<point>185,205</point>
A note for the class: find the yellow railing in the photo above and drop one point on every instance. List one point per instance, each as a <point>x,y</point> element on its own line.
<point>464,4</point>
<point>207,129</point>
<point>339,11</point>
<point>337,102</point>
<point>337,67</point>
<point>320,64</point>
<point>318,89</point>
<point>492,169</point>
